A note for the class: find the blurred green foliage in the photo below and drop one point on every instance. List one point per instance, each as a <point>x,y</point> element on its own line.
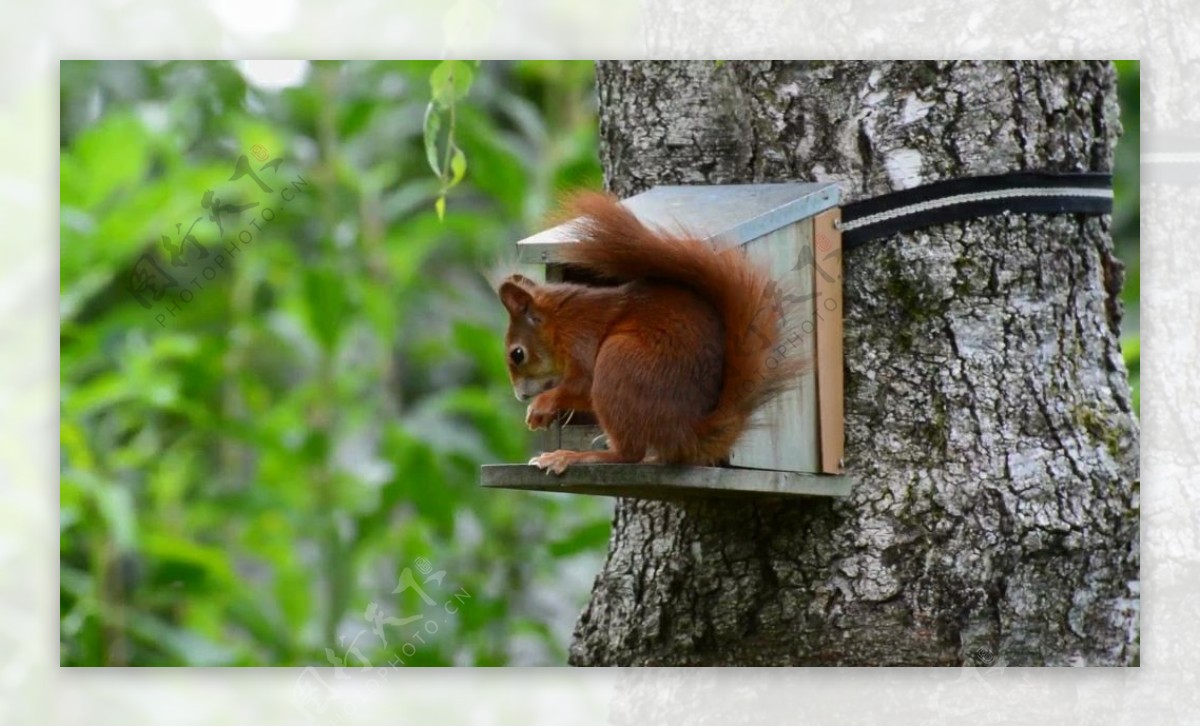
<point>247,474</point>
<point>1126,219</point>
<point>279,467</point>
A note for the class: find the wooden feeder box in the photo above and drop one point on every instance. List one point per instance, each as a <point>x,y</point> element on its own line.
<point>797,450</point>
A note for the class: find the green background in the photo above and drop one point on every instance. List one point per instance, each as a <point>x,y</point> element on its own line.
<point>282,470</point>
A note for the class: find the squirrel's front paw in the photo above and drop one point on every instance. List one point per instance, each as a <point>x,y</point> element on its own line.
<point>539,418</point>
<point>553,462</point>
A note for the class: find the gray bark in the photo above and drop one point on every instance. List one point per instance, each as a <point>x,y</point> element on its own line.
<point>989,422</point>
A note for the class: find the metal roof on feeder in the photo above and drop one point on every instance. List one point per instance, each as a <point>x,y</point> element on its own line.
<point>737,213</point>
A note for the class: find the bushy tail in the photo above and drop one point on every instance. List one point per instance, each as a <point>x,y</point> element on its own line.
<point>613,243</point>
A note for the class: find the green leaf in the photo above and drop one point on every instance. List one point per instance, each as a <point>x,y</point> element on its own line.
<point>252,614</point>
<point>112,155</point>
<point>115,504</point>
<point>326,303</point>
<point>485,346</point>
<point>499,166</point>
<point>183,646</point>
<point>458,167</point>
<point>316,447</point>
<point>1131,349</point>
<point>432,125</point>
<point>450,82</point>
<point>186,564</point>
<point>354,117</point>
<point>417,481</point>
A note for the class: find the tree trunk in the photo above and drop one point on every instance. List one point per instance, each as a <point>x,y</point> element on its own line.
<point>989,424</point>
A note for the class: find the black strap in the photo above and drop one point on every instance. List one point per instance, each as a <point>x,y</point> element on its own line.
<point>954,200</point>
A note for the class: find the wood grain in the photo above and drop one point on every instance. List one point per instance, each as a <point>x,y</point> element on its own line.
<point>827,286</point>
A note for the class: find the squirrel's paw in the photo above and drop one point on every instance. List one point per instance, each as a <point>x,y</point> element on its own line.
<point>553,462</point>
<point>539,418</point>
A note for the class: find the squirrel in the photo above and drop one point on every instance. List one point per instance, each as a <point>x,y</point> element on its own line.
<point>673,360</point>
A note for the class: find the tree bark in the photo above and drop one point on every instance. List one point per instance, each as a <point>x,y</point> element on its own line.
<point>989,423</point>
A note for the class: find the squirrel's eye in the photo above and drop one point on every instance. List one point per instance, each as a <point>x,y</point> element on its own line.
<point>517,355</point>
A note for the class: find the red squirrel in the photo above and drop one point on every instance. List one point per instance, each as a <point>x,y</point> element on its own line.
<point>673,360</point>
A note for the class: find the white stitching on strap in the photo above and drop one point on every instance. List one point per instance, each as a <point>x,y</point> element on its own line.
<point>933,204</point>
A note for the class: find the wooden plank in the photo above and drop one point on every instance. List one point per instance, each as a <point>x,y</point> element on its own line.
<point>827,286</point>
<point>658,482</point>
<point>785,435</point>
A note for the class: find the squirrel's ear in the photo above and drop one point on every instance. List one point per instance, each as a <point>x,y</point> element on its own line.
<point>515,298</point>
<point>521,280</point>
